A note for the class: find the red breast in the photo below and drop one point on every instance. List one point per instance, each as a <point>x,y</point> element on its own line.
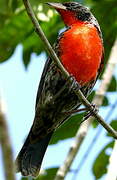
<point>81,51</point>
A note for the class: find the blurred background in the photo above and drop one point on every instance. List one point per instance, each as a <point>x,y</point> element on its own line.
<point>22,58</point>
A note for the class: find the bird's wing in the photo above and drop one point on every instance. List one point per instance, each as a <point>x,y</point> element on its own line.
<point>40,87</point>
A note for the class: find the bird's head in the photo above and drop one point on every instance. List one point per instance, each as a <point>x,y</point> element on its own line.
<point>73,12</point>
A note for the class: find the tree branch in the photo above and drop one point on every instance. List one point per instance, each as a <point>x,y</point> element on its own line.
<point>83,130</point>
<point>54,57</point>
<point>6,146</point>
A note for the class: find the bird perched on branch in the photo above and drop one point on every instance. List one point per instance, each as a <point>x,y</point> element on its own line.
<point>80,50</point>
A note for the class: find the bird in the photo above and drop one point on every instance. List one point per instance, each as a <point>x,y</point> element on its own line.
<point>81,51</point>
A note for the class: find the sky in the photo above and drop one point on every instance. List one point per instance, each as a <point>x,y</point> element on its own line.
<point>18,88</point>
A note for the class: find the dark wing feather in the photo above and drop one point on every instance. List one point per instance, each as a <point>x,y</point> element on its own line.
<point>40,87</point>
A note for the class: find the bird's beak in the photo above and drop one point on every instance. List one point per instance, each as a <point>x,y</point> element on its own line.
<point>56,5</point>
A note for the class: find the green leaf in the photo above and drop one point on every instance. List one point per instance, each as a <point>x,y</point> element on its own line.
<point>12,33</point>
<point>114,126</point>
<point>24,178</point>
<point>49,174</point>
<point>26,57</point>
<point>112,85</point>
<point>100,164</point>
<point>105,101</point>
<point>68,129</point>
<point>3,7</point>
<point>108,25</point>
<point>91,96</point>
<point>95,124</point>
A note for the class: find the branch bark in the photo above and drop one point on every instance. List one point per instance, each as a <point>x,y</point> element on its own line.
<point>6,146</point>
<point>83,130</point>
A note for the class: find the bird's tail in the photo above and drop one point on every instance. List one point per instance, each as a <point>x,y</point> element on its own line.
<point>31,155</point>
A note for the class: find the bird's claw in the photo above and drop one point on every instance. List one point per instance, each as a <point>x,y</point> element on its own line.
<point>74,85</point>
<point>90,113</point>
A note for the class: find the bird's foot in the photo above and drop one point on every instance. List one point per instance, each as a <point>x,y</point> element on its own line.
<point>75,111</point>
<point>74,85</point>
<point>90,112</point>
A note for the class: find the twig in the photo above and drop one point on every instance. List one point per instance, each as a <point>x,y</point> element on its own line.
<point>83,130</point>
<point>112,169</point>
<point>54,57</point>
<point>6,146</point>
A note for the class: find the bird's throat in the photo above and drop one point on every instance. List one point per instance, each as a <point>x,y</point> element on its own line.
<point>68,17</point>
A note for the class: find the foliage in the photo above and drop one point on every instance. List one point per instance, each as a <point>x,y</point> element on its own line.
<point>114,125</point>
<point>101,162</point>
<point>16,28</point>
<point>63,133</point>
